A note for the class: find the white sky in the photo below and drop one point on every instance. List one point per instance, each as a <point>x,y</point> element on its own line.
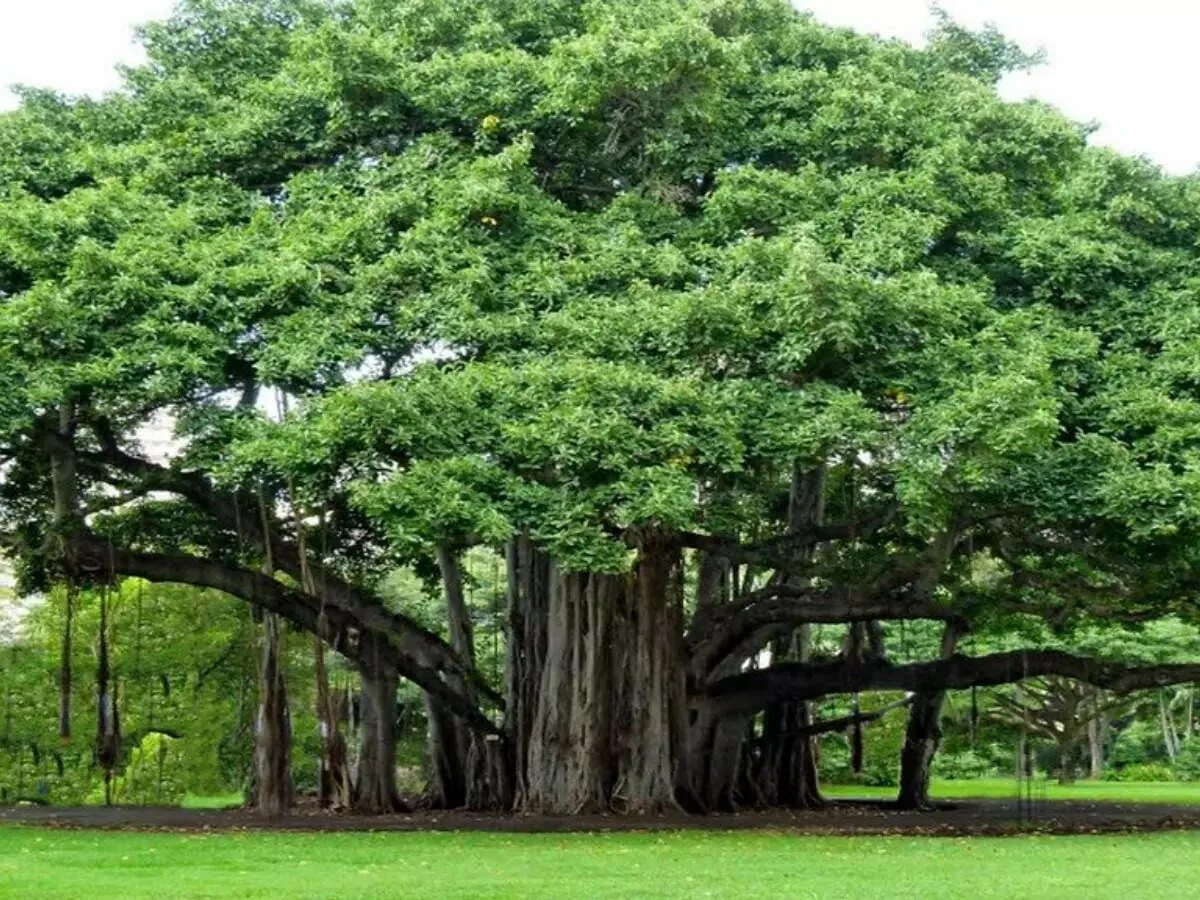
<point>1131,66</point>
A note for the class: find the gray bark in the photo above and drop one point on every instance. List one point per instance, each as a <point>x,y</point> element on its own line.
<point>274,791</point>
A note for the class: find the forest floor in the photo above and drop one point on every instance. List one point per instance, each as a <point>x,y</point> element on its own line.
<point>840,817</point>
<point>77,863</point>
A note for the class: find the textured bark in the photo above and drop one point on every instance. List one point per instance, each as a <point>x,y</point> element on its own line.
<point>922,736</point>
<point>529,578</point>
<point>609,714</point>
<point>571,764</point>
<point>64,669</point>
<point>333,775</point>
<point>785,767</point>
<point>375,779</point>
<point>455,766</point>
<point>752,691</point>
<point>1097,729</point>
<point>108,726</point>
<point>274,791</point>
<point>651,717</point>
<point>786,770</point>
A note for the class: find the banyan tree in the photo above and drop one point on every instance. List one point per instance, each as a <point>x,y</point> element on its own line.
<point>715,323</point>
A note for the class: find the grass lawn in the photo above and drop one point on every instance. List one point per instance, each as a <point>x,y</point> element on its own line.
<point>69,864</point>
<point>1116,791</point>
<point>212,801</point>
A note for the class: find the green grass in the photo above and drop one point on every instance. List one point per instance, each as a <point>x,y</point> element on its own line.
<point>48,863</point>
<point>215,801</point>
<point>1117,791</point>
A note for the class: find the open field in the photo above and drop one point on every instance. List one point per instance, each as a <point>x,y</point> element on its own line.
<point>45,863</point>
<point>1006,788</point>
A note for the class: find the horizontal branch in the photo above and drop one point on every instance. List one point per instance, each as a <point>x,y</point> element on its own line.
<point>239,515</point>
<point>782,551</point>
<point>346,633</point>
<point>751,691</point>
<point>844,723</point>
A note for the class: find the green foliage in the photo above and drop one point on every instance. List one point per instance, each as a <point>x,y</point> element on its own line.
<point>154,774</point>
<point>964,765</point>
<point>1187,763</point>
<point>1152,771</point>
<point>575,271</point>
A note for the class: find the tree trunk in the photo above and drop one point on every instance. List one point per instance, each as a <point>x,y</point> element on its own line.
<point>1066,763</point>
<point>609,715</point>
<point>1096,737</point>
<point>375,782</point>
<point>571,763</point>
<point>333,775</point>
<point>273,787</point>
<point>786,769</point>
<point>651,716</point>
<point>922,736</point>
<point>64,671</point>
<point>529,578</point>
<point>712,762</point>
<point>449,741</point>
<point>1170,739</point>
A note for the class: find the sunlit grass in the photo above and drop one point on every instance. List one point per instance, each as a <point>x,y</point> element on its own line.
<point>54,863</point>
<point>213,801</point>
<point>1001,788</point>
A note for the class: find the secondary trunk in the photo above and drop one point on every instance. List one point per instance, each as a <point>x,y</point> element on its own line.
<point>449,741</point>
<point>64,671</point>
<point>783,767</point>
<point>273,787</point>
<point>1097,726</point>
<point>529,578</point>
<point>1066,762</point>
<point>108,726</point>
<point>922,736</point>
<point>375,781</point>
<point>333,775</point>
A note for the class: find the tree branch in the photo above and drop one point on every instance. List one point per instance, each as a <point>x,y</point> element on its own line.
<point>751,691</point>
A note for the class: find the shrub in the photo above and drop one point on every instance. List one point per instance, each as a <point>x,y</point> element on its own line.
<point>1142,772</point>
<point>964,765</point>
<point>1187,763</point>
<point>155,773</point>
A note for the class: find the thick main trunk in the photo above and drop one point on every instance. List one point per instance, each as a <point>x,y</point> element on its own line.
<point>571,763</point>
<point>375,781</point>
<point>273,787</point>
<point>651,718</point>
<point>609,713</point>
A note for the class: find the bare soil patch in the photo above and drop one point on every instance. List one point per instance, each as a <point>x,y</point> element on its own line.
<point>960,818</point>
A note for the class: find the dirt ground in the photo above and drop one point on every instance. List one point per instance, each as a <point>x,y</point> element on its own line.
<point>965,817</point>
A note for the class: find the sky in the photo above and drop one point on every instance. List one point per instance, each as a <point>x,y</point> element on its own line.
<point>1129,66</point>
